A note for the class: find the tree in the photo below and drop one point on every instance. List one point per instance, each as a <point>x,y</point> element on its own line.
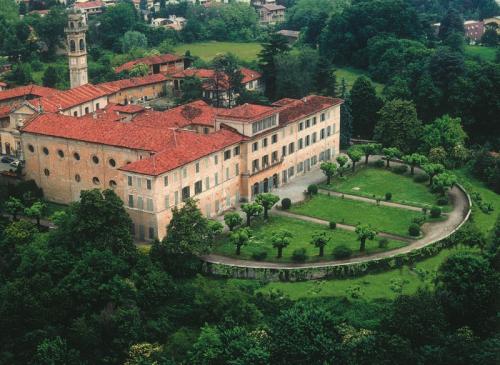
<point>36,211</point>
<point>414,160</point>
<point>280,240</point>
<point>432,169</point>
<point>22,74</point>
<point>251,210</point>
<point>490,37</point>
<point>133,39</point>
<point>391,153</point>
<point>240,237</point>
<point>364,232</point>
<point>55,352</point>
<point>341,160</point>
<point>365,105</point>
<point>355,154</point>
<point>50,77</point>
<point>329,169</point>
<point>295,73</point>
<point>345,122</point>
<point>191,89</point>
<point>138,70</point>
<point>451,23</point>
<point>275,45</point>
<point>227,70</point>
<point>232,220</point>
<point>326,81</point>
<point>370,149</point>
<point>115,22</point>
<point>320,240</point>
<point>267,200</point>
<point>398,125</point>
<point>445,132</point>
<point>13,206</point>
<point>444,181</point>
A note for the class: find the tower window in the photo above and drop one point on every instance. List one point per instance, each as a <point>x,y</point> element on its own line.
<point>82,45</point>
<point>72,46</point>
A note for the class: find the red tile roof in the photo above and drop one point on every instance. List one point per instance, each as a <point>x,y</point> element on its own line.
<point>127,109</point>
<point>6,110</point>
<point>249,75</point>
<point>89,4</point>
<point>3,84</point>
<point>25,91</point>
<point>151,60</point>
<point>135,82</point>
<point>188,146</point>
<point>292,110</point>
<point>247,112</point>
<point>205,73</point>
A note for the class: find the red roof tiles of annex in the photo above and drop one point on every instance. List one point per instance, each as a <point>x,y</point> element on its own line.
<point>188,146</point>
<point>205,73</point>
<point>89,4</point>
<point>151,60</point>
<point>247,112</point>
<point>33,90</point>
<point>292,110</point>
<point>134,82</point>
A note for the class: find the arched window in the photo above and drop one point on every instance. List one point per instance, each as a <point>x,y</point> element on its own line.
<point>72,46</point>
<point>82,45</point>
<point>72,25</point>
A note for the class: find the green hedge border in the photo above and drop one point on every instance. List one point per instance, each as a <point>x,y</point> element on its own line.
<point>339,271</point>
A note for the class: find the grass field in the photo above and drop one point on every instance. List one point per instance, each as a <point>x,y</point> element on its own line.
<point>374,286</point>
<point>382,218</point>
<point>374,181</point>
<point>350,74</point>
<point>302,233</point>
<point>208,50</point>
<point>485,53</point>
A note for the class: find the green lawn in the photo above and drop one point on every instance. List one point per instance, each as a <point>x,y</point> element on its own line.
<point>382,218</point>
<point>54,207</point>
<point>302,233</point>
<point>208,50</point>
<point>374,181</point>
<point>350,75</point>
<point>484,53</point>
<point>374,286</point>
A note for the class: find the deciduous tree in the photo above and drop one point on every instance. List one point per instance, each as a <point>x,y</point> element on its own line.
<point>267,200</point>
<point>364,232</point>
<point>320,240</point>
<point>280,240</point>
<point>232,220</point>
<point>252,210</point>
<point>240,237</point>
<point>414,160</point>
<point>329,169</point>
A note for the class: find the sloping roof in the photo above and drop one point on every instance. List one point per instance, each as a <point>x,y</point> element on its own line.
<point>292,109</point>
<point>6,110</point>
<point>205,73</point>
<point>249,75</point>
<point>187,147</point>
<point>247,112</point>
<point>134,82</point>
<point>151,60</point>
<point>28,90</point>
<point>126,109</point>
<point>289,33</point>
<point>89,5</point>
<point>273,7</point>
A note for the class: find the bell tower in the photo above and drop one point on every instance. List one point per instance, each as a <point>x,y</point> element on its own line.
<point>77,48</point>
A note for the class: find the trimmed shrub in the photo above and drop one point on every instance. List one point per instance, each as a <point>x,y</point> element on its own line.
<point>388,196</point>
<point>421,178</point>
<point>383,242</point>
<point>299,255</point>
<point>414,230</point>
<point>332,225</point>
<point>312,189</point>
<point>286,203</point>
<point>418,220</point>
<point>435,212</point>
<point>342,252</point>
<point>400,169</point>
<point>379,163</point>
<point>442,200</point>
<point>259,255</point>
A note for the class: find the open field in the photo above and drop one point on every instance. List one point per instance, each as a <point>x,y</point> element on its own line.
<point>208,50</point>
<point>484,53</point>
<point>382,218</point>
<point>368,182</point>
<point>350,74</point>
<point>302,233</point>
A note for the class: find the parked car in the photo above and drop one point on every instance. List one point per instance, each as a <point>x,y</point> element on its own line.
<point>7,159</point>
<point>15,163</point>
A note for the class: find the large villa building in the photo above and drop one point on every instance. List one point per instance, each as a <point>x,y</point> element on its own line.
<point>155,160</point>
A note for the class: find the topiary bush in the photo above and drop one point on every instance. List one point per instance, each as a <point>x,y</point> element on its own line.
<point>400,169</point>
<point>286,203</point>
<point>418,220</point>
<point>379,163</point>
<point>414,230</point>
<point>383,242</point>
<point>442,200</point>
<point>388,196</point>
<point>299,255</point>
<point>435,212</point>
<point>259,255</point>
<point>332,225</point>
<point>342,252</point>
<point>312,189</point>
<point>421,178</point>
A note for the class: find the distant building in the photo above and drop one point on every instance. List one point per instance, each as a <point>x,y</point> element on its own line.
<point>42,13</point>
<point>291,35</point>
<point>473,30</point>
<point>271,14</point>
<point>3,86</point>
<point>172,22</point>
<point>165,64</point>
<point>90,7</point>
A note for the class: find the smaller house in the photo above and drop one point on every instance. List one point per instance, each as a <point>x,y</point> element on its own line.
<point>42,13</point>
<point>291,35</point>
<point>271,14</point>
<point>90,7</point>
<point>3,86</point>
<point>21,93</point>
<point>137,89</point>
<point>172,22</point>
<point>474,30</point>
<point>166,64</point>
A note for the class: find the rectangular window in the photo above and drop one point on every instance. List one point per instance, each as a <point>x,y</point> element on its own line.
<point>328,131</point>
<point>207,183</point>
<point>314,120</point>
<point>274,156</point>
<point>198,187</point>
<point>131,201</point>
<point>140,203</point>
<point>301,144</point>
<point>255,165</point>
<point>301,126</point>
<point>265,161</point>
<point>255,146</point>
<point>308,123</point>
<point>323,118</point>
<point>176,198</point>
<point>149,204</point>
<point>264,142</point>
<point>236,151</point>
<point>322,133</point>
<point>237,169</point>
<point>227,155</point>
<point>216,178</point>
<point>129,178</point>
<point>216,160</point>
<point>283,151</point>
<point>167,201</point>
<point>185,193</point>
<point>314,137</point>
<point>291,148</point>
<point>139,182</point>
<point>148,184</point>
<point>274,138</point>
<point>165,181</point>
<point>291,171</point>
<point>152,233</point>
<point>308,141</point>
<point>197,167</point>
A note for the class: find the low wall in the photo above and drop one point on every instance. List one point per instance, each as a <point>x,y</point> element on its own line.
<point>340,270</point>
